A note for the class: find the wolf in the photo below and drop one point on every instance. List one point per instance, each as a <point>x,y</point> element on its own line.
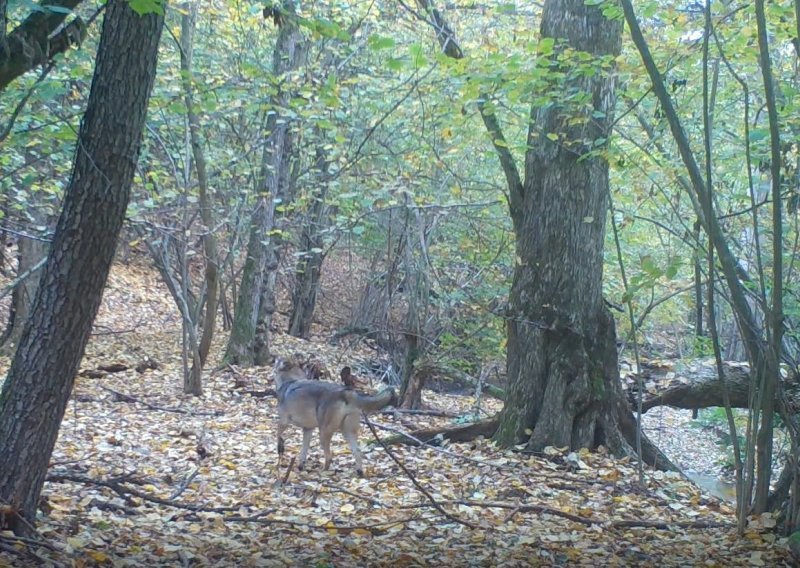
<point>324,405</point>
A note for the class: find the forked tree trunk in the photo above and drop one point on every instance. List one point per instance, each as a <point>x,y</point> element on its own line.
<point>42,373</point>
<point>249,340</point>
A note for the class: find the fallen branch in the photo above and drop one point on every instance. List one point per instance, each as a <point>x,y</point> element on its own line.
<point>126,492</point>
<point>7,545</point>
<point>416,483</point>
<point>698,386</point>
<point>260,394</point>
<point>461,433</point>
<point>184,484</point>
<point>437,448</point>
<point>259,518</point>
<point>422,412</point>
<point>122,397</point>
<point>341,489</point>
<point>587,521</point>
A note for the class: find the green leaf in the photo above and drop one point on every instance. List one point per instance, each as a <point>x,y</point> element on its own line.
<point>546,45</point>
<point>417,55</point>
<point>143,7</point>
<point>395,64</point>
<point>377,42</point>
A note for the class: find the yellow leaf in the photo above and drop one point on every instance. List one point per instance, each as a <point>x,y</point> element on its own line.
<point>98,556</point>
<point>75,542</point>
<point>347,508</point>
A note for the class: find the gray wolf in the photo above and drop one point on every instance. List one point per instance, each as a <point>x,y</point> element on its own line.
<point>330,407</point>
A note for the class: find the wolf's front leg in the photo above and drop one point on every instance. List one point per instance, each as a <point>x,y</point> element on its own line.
<point>281,446</point>
<point>304,452</point>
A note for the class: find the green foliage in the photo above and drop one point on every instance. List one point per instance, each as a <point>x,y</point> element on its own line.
<point>143,7</point>
<point>398,125</point>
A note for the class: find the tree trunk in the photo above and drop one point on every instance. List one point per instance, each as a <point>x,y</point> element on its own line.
<point>307,278</point>
<point>30,253</point>
<point>243,329</point>
<point>249,340</point>
<point>763,358</point>
<point>194,383</point>
<point>42,373</point>
<point>562,360</point>
<point>309,264</point>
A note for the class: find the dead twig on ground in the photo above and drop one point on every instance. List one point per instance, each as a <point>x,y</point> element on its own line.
<point>184,484</point>
<point>122,397</point>
<point>126,492</point>
<point>416,483</point>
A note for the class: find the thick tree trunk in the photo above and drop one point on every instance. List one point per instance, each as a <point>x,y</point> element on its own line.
<point>562,368</point>
<point>307,277</point>
<point>563,377</point>
<point>42,373</point>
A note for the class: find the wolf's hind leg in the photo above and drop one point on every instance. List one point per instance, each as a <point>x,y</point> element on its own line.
<point>350,432</point>
<point>325,436</point>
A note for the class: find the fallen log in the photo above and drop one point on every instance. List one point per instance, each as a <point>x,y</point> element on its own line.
<point>462,378</point>
<point>698,386</point>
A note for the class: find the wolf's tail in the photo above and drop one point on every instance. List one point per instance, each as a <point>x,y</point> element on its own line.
<point>373,402</point>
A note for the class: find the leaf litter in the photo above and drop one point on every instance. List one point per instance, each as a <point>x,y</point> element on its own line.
<point>156,477</point>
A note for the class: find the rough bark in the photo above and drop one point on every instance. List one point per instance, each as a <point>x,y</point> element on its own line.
<point>30,44</point>
<point>307,279</point>
<point>562,350</point>
<point>243,329</point>
<point>699,387</point>
<point>42,374</point>
<point>562,370</point>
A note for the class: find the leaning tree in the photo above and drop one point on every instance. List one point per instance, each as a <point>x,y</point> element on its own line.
<point>42,373</point>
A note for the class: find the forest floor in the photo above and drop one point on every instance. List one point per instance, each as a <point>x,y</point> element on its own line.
<point>144,475</point>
